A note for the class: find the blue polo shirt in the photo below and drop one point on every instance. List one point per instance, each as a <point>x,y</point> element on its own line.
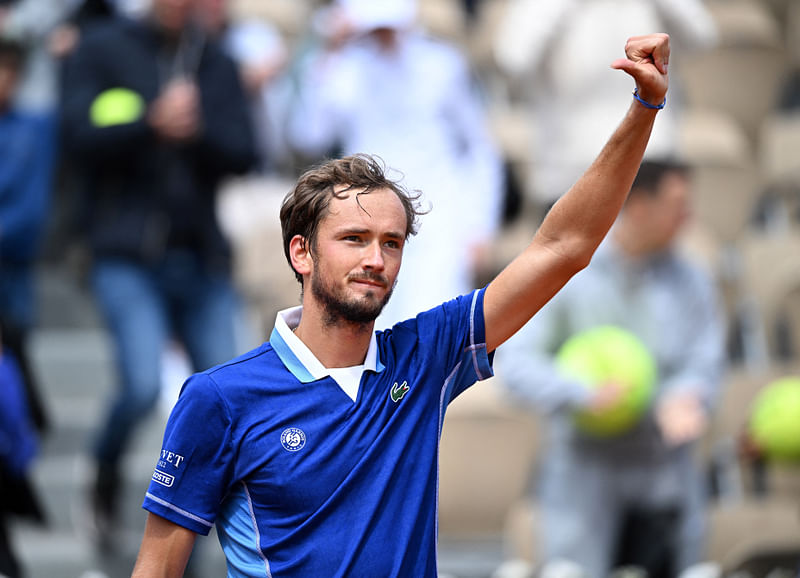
<point>301,479</point>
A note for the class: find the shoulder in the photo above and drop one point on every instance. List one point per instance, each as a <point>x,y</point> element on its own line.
<point>260,357</point>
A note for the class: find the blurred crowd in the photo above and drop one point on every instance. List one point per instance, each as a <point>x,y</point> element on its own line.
<point>147,144</point>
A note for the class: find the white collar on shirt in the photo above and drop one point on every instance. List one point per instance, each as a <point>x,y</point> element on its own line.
<point>348,378</point>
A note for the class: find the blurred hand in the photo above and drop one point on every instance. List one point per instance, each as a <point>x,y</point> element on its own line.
<point>63,40</point>
<point>681,417</point>
<point>175,114</point>
<point>257,76</point>
<point>606,397</point>
<point>749,448</point>
<point>647,60</point>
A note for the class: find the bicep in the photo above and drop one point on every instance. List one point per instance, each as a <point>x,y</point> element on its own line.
<point>523,288</point>
<point>165,549</point>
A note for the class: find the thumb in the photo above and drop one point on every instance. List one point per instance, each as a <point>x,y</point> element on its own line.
<point>624,64</point>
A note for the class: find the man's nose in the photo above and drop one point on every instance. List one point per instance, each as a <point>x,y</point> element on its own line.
<point>373,256</point>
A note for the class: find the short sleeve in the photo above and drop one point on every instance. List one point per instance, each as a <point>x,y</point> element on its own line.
<point>193,470</point>
<point>455,331</point>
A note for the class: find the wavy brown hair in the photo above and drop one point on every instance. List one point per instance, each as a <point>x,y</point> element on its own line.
<point>308,202</point>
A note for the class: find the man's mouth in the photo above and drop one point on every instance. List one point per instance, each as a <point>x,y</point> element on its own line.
<point>370,280</point>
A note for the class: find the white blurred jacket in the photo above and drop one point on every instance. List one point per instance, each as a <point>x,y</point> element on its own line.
<point>416,108</point>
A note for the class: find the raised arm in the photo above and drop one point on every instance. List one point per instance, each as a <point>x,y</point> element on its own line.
<point>578,222</point>
<point>165,549</point>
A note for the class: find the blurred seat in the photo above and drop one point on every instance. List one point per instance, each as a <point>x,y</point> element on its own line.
<point>248,209</point>
<point>487,450</point>
<point>726,190</point>
<point>771,282</point>
<point>725,176</point>
<point>779,162</point>
<point>743,531</point>
<point>443,19</point>
<point>742,75</point>
<point>792,32</point>
<point>480,41</point>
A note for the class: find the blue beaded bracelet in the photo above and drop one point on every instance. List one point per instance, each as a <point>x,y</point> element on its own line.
<point>645,103</point>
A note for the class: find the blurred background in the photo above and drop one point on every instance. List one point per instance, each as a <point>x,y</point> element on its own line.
<point>539,99</point>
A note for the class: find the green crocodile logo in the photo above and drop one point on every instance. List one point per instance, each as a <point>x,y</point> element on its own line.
<point>398,391</point>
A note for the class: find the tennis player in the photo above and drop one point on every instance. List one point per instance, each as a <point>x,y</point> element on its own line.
<point>315,455</point>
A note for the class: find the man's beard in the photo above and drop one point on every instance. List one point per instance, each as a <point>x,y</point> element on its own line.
<point>357,310</point>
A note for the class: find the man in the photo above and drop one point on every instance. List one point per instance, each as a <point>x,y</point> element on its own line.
<point>316,454</point>
<point>600,495</point>
<point>155,117</point>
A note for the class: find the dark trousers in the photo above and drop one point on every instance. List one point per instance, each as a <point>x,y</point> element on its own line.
<point>648,540</point>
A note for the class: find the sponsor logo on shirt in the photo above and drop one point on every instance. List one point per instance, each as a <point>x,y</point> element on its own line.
<point>170,458</point>
<point>398,391</point>
<point>293,439</point>
<point>163,478</point>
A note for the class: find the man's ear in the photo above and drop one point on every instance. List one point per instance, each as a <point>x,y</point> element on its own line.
<point>300,253</point>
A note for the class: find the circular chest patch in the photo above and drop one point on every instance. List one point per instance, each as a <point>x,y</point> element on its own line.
<point>293,439</point>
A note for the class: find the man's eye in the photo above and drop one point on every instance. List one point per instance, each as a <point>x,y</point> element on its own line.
<point>392,244</point>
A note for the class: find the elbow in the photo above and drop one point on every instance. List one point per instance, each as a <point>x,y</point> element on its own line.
<point>576,258</point>
<point>580,261</point>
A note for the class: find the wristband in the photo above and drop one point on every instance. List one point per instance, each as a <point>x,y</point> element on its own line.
<point>646,104</point>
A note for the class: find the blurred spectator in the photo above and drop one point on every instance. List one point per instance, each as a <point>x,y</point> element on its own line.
<point>49,31</point>
<point>560,49</point>
<point>18,447</point>
<point>26,161</point>
<point>262,55</point>
<point>27,156</point>
<point>36,24</point>
<point>643,481</point>
<point>155,116</point>
<point>380,86</point>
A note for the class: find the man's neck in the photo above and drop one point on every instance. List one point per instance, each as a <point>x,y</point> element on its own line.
<point>339,344</point>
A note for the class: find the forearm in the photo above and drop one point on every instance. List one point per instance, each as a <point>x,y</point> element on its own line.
<point>571,232</point>
<point>165,549</point>
<point>580,219</point>
<point>577,223</point>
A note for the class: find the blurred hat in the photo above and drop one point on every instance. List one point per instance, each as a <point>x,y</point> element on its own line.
<point>365,15</point>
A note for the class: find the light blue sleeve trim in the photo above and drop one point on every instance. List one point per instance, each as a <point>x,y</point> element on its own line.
<point>178,510</point>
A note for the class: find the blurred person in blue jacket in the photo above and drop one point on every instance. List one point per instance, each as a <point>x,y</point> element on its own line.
<point>379,84</point>
<point>644,481</point>
<point>27,160</point>
<point>155,117</point>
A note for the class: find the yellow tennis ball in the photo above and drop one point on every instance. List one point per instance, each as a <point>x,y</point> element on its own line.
<point>116,106</point>
<point>610,354</point>
<point>775,419</point>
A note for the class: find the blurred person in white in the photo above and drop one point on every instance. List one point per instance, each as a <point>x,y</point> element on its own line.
<point>380,85</point>
<point>573,96</point>
<point>645,479</point>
